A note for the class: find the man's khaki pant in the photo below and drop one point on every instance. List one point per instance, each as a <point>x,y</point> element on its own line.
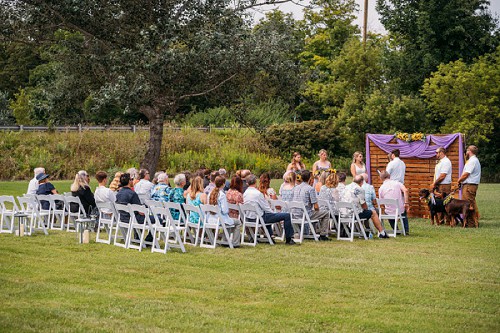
<point>469,193</point>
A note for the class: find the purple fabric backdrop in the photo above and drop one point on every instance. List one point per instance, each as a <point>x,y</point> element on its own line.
<point>418,149</point>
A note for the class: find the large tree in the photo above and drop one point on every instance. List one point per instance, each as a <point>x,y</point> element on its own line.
<point>427,33</point>
<point>150,55</point>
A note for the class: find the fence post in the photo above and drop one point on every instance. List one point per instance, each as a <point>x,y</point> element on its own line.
<point>133,128</point>
<point>21,128</point>
<point>79,128</point>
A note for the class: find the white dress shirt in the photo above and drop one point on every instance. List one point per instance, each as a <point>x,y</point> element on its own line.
<point>33,186</point>
<point>443,166</point>
<point>473,167</point>
<point>255,197</point>
<point>143,187</point>
<point>104,194</point>
<point>397,168</point>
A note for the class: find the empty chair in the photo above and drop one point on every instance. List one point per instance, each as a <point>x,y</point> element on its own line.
<point>165,231</point>
<point>122,231</point>
<point>254,225</point>
<point>349,222</point>
<point>194,223</point>
<point>394,219</point>
<point>212,225</point>
<point>108,218</point>
<point>140,226</point>
<point>59,211</point>
<point>28,205</point>
<point>8,208</point>
<point>300,218</point>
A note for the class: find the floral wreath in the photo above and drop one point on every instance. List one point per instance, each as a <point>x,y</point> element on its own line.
<point>410,137</point>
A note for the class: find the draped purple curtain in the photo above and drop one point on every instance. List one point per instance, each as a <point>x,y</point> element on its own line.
<point>418,149</point>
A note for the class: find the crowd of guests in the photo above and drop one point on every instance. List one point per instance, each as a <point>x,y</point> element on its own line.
<point>214,187</point>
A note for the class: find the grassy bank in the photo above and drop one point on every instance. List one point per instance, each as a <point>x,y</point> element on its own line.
<point>437,280</point>
<point>63,154</point>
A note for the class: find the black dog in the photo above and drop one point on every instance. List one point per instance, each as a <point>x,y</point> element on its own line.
<point>436,206</point>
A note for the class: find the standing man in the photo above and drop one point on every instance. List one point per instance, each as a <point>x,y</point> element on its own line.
<point>396,168</point>
<point>33,186</point>
<point>469,181</point>
<point>442,172</point>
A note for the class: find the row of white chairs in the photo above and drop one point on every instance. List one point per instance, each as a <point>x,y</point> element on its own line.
<point>57,216</point>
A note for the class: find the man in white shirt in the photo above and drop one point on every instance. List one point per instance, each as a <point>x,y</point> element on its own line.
<point>102,193</point>
<point>33,185</point>
<point>143,187</point>
<point>442,172</point>
<point>469,181</point>
<point>396,168</point>
<point>254,197</point>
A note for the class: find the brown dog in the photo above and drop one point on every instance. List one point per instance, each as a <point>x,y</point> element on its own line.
<point>455,207</point>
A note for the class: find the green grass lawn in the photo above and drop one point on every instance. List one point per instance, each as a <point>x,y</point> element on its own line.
<point>440,279</point>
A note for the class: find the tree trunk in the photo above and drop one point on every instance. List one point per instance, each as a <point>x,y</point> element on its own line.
<point>155,117</point>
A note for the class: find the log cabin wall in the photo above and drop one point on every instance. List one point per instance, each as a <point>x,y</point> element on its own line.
<point>419,174</point>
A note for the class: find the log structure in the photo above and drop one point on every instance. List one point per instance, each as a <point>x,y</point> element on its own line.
<point>420,164</point>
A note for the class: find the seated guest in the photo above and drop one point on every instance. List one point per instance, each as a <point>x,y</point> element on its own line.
<point>155,177</point>
<point>370,196</point>
<point>244,174</point>
<point>45,188</point>
<point>286,189</point>
<point>218,198</point>
<point>354,193</point>
<point>161,191</point>
<point>196,197</point>
<point>189,176</point>
<point>392,189</point>
<point>211,185</point>
<point>33,185</point>
<point>321,180</point>
<point>235,194</point>
<point>223,173</point>
<point>127,196</point>
<point>329,191</point>
<point>115,183</point>
<point>143,187</point>
<point>253,196</point>
<point>264,187</point>
<point>177,194</point>
<point>134,176</point>
<point>341,185</point>
<point>102,193</point>
<point>305,193</point>
<point>81,189</point>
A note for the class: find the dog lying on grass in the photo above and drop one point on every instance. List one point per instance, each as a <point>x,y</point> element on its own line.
<point>436,206</point>
<point>449,206</point>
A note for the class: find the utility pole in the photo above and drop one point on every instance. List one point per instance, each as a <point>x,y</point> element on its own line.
<point>365,22</point>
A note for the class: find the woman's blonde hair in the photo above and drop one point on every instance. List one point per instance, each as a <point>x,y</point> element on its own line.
<point>355,155</point>
<point>80,181</point>
<point>332,180</point>
<point>289,177</point>
<point>323,151</point>
<point>115,183</point>
<point>196,186</point>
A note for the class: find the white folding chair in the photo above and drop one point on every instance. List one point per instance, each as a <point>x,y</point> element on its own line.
<point>141,229</point>
<point>59,211</point>
<point>300,218</point>
<point>194,223</point>
<point>143,197</point>
<point>8,208</point>
<point>396,217</point>
<point>153,203</point>
<point>122,231</point>
<point>108,218</point>
<point>279,206</point>
<point>72,216</point>
<point>45,214</point>
<point>327,206</point>
<point>29,206</point>
<point>212,224</point>
<point>254,224</point>
<point>349,222</point>
<point>164,230</point>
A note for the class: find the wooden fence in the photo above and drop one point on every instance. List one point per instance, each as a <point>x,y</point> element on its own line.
<point>81,128</point>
